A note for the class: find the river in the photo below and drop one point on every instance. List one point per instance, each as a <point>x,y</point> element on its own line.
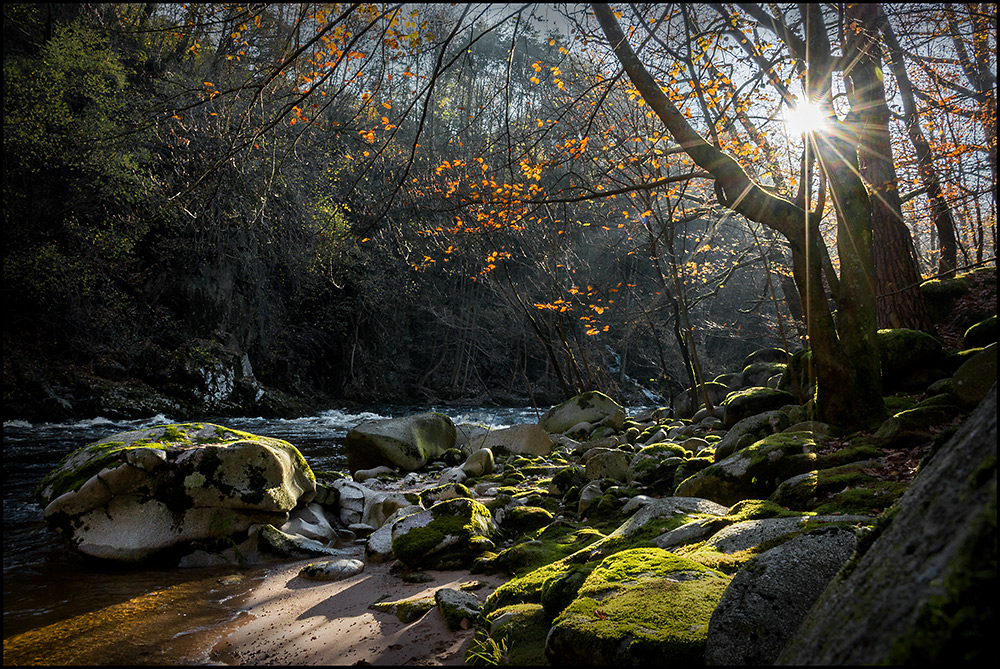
<point>89,612</point>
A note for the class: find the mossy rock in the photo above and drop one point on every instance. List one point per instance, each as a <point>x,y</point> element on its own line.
<point>755,471</point>
<point>982,333</point>
<point>758,373</point>
<point>639,606</point>
<point>519,631</point>
<point>525,519</point>
<point>940,296</point>
<point>752,401</point>
<point>909,359</point>
<point>450,534</point>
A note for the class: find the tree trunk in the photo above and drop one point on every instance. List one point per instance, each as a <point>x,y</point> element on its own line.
<point>848,374</point>
<point>899,302</point>
<point>940,211</point>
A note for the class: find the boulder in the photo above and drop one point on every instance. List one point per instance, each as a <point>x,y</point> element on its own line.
<point>766,355</point>
<point>923,592</point>
<point>751,401</point>
<point>592,407</point>
<point>611,464</point>
<point>407,443</point>
<point>480,463</point>
<point>332,570</point>
<point>451,533</point>
<point>643,606</point>
<point>981,334</point>
<point>755,471</point>
<point>524,439</point>
<point>910,359</point>
<point>134,494</point>
<point>770,595</point>
<point>749,430</point>
<point>272,540</point>
<point>458,607</point>
<point>976,376</point>
<point>758,373</point>
<point>687,403</point>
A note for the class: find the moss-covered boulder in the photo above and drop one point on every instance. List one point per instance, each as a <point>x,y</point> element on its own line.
<point>755,471</point>
<point>749,430</point>
<point>407,442</point>
<point>592,407</point>
<point>638,607</point>
<point>927,583</point>
<point>751,401</point>
<point>758,373</point>
<point>519,630</point>
<point>135,494</point>
<point>910,359</point>
<point>975,377</point>
<point>448,535</point>
<point>940,296</point>
<point>688,402</point>
<point>982,333</point>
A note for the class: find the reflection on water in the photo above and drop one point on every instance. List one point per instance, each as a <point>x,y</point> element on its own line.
<point>89,612</point>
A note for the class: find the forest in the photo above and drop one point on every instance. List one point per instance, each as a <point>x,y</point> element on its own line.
<point>490,204</point>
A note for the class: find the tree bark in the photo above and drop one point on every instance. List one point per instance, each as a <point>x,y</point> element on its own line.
<point>899,303</point>
<point>848,374</point>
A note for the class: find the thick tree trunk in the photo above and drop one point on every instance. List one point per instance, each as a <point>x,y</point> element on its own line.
<point>848,374</point>
<point>897,279</point>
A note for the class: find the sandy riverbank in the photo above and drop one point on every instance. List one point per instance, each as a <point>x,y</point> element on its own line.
<point>292,620</point>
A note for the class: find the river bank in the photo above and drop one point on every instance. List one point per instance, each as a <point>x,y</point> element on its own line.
<point>290,620</point>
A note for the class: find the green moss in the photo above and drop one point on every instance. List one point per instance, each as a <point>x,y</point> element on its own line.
<point>643,605</point>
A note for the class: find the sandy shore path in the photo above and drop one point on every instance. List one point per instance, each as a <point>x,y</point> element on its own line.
<point>292,620</point>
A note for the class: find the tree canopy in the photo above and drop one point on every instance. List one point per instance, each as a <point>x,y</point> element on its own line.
<point>495,201</point>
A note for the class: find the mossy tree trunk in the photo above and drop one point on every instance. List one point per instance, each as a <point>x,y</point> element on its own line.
<point>845,353</point>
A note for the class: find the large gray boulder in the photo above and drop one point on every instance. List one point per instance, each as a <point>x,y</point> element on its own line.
<point>769,596</point>
<point>924,591</point>
<point>592,407</point>
<point>134,494</point>
<point>407,443</point>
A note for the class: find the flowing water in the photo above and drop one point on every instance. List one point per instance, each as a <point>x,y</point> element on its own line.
<point>60,608</point>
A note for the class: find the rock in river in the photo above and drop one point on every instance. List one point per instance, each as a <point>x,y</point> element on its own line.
<point>135,494</point>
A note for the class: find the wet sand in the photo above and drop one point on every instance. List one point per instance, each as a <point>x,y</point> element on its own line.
<point>292,620</point>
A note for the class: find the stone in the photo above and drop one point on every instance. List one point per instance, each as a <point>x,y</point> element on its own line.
<point>272,540</point>
<point>923,592</point>
<point>976,376</point>
<point>524,439</point>
<point>310,522</point>
<point>184,483</point>
<point>981,334</point>
<point>751,401</point>
<point>907,356</point>
<point>688,402</point>
<point>757,426</point>
<point>591,407</point>
<point>378,547</point>
<point>755,471</point>
<point>668,512</point>
<point>449,534</point>
<point>642,606</point>
<point>480,463</point>
<point>332,570</point>
<point>607,465</point>
<point>771,594</point>
<point>459,608</point>
<point>406,443</point>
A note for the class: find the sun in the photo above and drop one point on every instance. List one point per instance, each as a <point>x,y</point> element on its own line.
<point>804,118</point>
